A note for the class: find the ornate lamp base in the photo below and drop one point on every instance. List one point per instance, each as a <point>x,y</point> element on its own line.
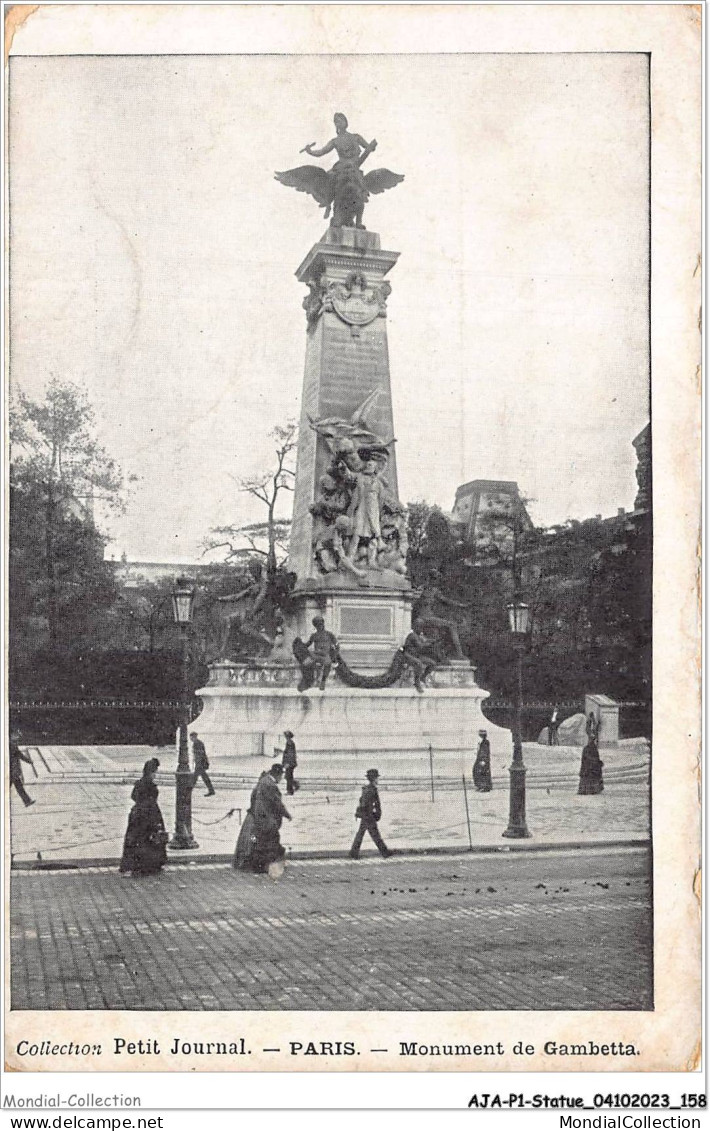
<point>517,827</point>
<point>183,840</point>
<point>182,837</point>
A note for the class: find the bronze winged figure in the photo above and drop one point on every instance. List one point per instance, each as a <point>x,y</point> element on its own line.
<point>344,189</point>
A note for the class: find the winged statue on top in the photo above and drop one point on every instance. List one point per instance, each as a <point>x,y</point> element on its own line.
<point>344,190</point>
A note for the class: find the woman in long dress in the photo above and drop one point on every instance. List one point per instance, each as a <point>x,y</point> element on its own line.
<point>245,848</point>
<point>590,770</point>
<point>259,844</point>
<point>144,846</point>
<point>482,766</point>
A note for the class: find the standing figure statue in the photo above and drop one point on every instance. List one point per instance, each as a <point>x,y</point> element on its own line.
<point>344,188</point>
<point>364,511</point>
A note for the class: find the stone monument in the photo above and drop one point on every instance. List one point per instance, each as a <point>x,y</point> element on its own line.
<point>348,675</point>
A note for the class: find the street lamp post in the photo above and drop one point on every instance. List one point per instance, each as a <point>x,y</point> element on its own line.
<point>519,616</point>
<point>183,598</point>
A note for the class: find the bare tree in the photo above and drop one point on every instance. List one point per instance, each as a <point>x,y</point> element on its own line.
<point>263,539</point>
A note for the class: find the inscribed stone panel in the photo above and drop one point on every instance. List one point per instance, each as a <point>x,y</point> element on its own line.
<point>365,620</point>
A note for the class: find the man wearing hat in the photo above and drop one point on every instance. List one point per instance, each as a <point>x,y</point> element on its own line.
<point>268,811</point>
<point>369,812</point>
<point>289,762</point>
<point>201,762</point>
<point>482,766</point>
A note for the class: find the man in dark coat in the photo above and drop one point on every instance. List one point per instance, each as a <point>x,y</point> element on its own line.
<point>17,757</point>
<point>268,811</point>
<point>289,762</point>
<point>482,766</point>
<point>201,763</point>
<point>369,812</point>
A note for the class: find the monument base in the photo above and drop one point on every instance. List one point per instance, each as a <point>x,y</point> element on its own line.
<point>247,709</point>
<point>370,621</point>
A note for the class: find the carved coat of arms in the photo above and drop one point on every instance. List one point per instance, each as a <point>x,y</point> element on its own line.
<point>355,301</point>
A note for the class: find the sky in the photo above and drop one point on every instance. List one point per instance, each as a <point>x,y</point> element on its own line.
<point>153,258</point>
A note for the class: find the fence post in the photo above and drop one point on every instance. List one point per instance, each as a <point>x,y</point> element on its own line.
<point>468,819</point>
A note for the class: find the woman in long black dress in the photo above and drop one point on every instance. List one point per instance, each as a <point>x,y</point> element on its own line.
<point>590,771</point>
<point>144,846</point>
<point>482,766</point>
<point>259,844</point>
<point>245,850</point>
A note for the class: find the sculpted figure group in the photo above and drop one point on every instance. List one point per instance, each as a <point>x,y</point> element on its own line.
<point>420,653</point>
<point>360,524</point>
<point>253,618</point>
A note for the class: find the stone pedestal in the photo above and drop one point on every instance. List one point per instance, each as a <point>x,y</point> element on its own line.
<point>370,622</point>
<point>346,363</point>
<point>606,711</point>
<point>247,708</point>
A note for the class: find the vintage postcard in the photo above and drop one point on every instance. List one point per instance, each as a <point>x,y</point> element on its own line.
<point>353,487</point>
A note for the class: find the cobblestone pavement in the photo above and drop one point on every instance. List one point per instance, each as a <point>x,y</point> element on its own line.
<point>562,930</point>
<point>85,817</point>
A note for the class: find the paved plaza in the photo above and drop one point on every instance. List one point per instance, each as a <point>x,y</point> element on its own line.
<point>553,929</point>
<point>83,801</point>
<point>556,930</point>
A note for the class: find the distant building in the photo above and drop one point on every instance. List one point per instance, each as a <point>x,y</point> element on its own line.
<point>136,575</point>
<point>588,584</point>
<point>642,444</point>
<point>486,509</point>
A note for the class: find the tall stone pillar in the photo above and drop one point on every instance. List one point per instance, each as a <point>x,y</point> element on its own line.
<point>347,367</point>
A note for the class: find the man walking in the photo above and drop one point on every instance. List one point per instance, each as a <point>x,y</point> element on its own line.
<point>17,757</point>
<point>201,763</point>
<point>289,762</point>
<point>369,812</point>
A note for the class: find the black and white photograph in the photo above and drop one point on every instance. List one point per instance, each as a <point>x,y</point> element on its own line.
<point>333,588</point>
